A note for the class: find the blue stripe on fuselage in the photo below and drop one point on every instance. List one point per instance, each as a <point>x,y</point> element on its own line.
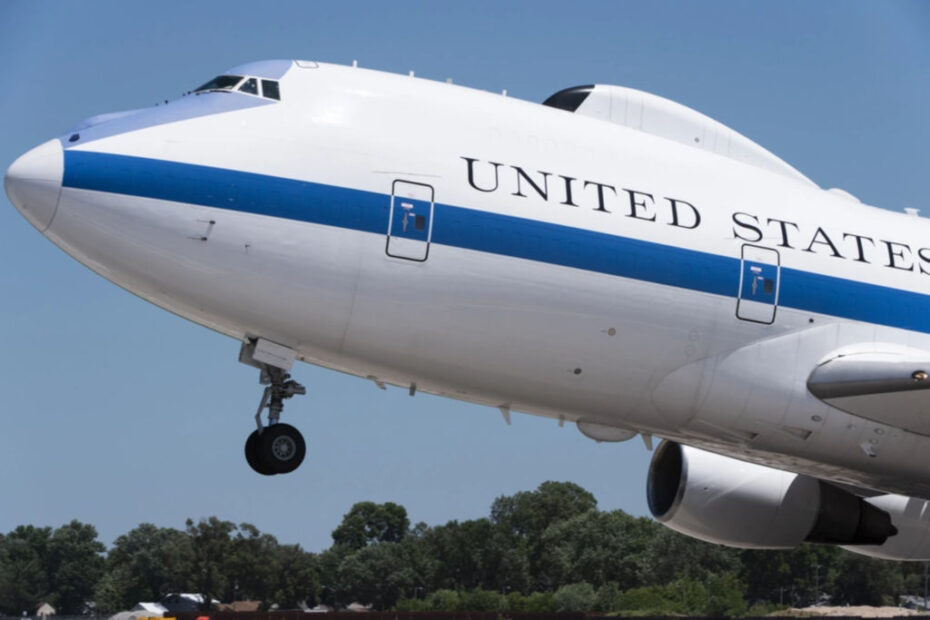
<point>486,232</point>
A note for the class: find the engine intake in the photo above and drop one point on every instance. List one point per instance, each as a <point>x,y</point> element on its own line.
<point>731,502</point>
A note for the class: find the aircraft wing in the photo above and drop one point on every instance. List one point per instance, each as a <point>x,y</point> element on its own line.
<point>888,387</point>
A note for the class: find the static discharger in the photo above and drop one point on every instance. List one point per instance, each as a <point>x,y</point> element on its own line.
<point>505,411</point>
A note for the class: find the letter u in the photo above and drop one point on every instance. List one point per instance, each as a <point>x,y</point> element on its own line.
<point>471,174</point>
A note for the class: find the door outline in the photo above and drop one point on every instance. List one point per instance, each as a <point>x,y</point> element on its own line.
<point>405,247</point>
<point>758,261</point>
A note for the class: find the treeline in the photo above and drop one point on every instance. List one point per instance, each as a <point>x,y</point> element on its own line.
<point>545,550</point>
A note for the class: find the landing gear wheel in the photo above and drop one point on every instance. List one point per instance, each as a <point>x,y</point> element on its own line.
<point>252,455</point>
<point>273,448</point>
<point>281,449</point>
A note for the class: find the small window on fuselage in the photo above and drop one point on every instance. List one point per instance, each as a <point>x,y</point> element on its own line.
<point>223,82</point>
<point>249,86</point>
<point>270,90</point>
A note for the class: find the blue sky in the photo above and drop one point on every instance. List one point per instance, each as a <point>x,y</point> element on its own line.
<point>115,412</point>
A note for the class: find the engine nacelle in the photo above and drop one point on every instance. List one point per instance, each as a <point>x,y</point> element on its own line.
<point>731,502</point>
<point>912,518</point>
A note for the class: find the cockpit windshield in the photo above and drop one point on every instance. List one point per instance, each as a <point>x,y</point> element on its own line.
<point>249,86</point>
<point>246,84</point>
<point>223,82</point>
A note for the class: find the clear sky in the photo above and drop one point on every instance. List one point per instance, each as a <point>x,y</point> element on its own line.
<point>115,412</point>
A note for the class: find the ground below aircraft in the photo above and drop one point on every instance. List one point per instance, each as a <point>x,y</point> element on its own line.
<point>609,258</point>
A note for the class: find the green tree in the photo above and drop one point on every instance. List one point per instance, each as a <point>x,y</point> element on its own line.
<point>652,599</point>
<point>674,556</point>
<point>522,519</point>
<point>863,580</point>
<point>411,604</point>
<point>76,565</point>
<point>251,567</point>
<point>379,574</point>
<point>297,579</point>
<point>607,599</point>
<point>24,578</point>
<point>681,597</point>
<point>596,547</point>
<point>210,546</point>
<point>475,554</point>
<point>814,569</point>
<point>792,577</point>
<point>144,564</point>
<point>767,575</point>
<point>107,595</point>
<point>529,513</point>
<point>481,599</point>
<point>368,522</point>
<point>331,590</point>
<point>443,600</point>
<point>535,602</point>
<point>726,596</point>
<point>574,597</point>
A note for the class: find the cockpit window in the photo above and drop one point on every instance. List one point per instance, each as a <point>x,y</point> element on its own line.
<point>249,86</point>
<point>270,89</point>
<point>245,83</point>
<point>223,82</point>
<point>569,99</point>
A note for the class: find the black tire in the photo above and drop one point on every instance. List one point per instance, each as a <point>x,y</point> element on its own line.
<point>281,448</point>
<point>252,455</point>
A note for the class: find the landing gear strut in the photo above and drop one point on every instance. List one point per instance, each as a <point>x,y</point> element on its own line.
<point>275,448</point>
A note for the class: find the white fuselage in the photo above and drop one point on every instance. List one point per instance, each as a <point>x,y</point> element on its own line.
<point>594,295</point>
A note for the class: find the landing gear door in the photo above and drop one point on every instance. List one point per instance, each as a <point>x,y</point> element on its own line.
<point>410,221</point>
<point>760,270</point>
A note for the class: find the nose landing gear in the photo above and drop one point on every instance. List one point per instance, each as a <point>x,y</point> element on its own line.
<point>275,448</point>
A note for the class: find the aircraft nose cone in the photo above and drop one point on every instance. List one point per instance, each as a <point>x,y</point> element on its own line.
<point>33,183</point>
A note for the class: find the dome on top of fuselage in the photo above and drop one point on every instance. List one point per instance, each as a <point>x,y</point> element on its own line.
<point>668,119</point>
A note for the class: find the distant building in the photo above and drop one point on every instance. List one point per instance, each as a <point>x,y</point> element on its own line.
<point>319,609</point>
<point>240,606</point>
<point>912,601</point>
<point>45,610</point>
<point>134,615</point>
<point>149,609</point>
<point>185,601</point>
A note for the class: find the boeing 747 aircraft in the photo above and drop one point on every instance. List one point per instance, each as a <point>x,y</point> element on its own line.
<point>609,258</point>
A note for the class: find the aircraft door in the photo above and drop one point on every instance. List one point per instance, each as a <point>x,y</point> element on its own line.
<point>410,221</point>
<point>760,269</point>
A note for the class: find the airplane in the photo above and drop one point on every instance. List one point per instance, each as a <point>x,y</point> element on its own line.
<point>608,258</point>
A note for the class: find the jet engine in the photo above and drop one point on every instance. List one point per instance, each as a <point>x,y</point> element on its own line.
<point>911,516</point>
<point>730,502</point>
